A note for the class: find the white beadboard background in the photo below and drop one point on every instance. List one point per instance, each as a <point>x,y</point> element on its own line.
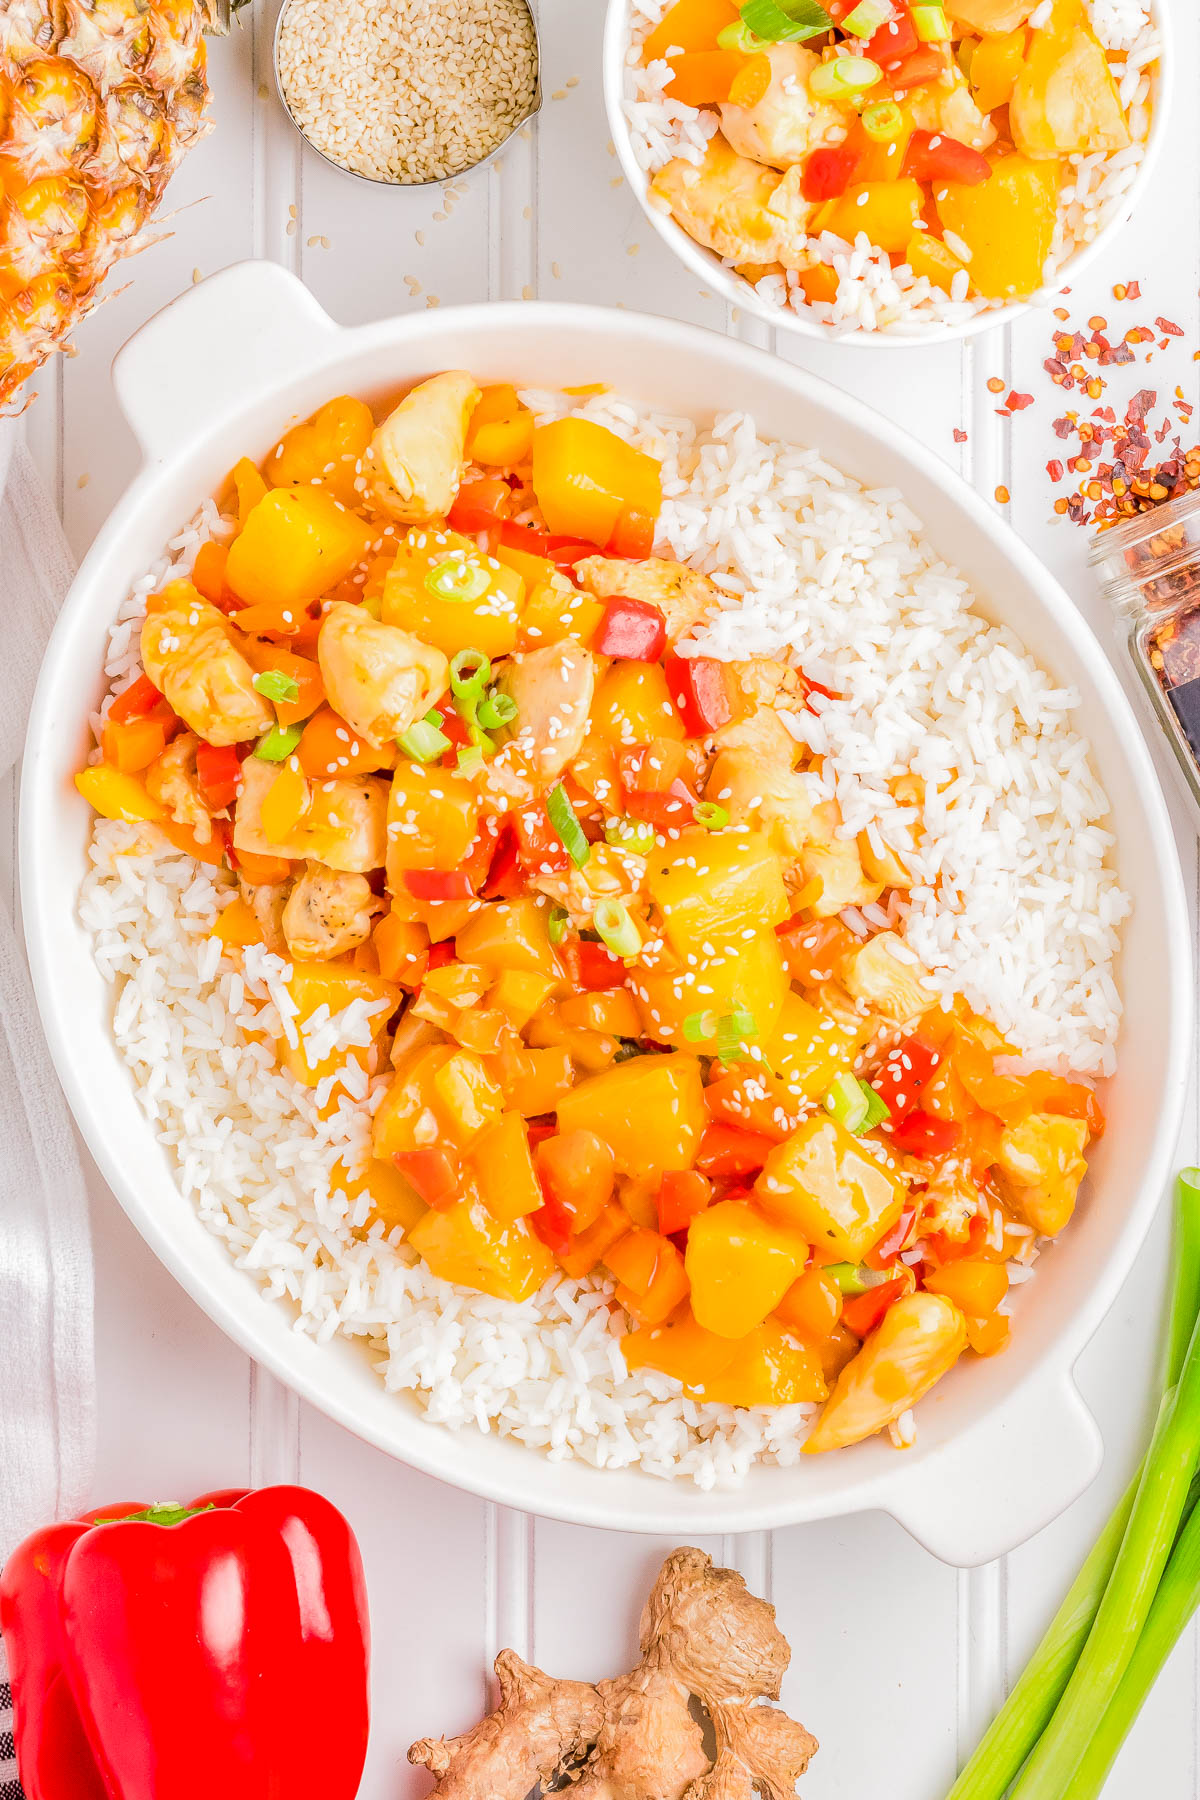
<point>898,1661</point>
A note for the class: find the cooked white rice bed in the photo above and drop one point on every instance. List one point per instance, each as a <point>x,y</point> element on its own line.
<point>816,567</point>
<point>872,296</point>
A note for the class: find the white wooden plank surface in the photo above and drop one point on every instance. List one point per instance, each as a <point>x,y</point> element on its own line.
<point>898,1660</point>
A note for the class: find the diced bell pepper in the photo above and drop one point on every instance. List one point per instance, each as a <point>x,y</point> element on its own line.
<point>465,1244</point>
<point>327,448</point>
<point>1007,223</point>
<point>584,476</point>
<point>740,1265</point>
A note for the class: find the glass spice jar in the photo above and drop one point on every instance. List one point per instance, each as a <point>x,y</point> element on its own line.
<point>1150,571</point>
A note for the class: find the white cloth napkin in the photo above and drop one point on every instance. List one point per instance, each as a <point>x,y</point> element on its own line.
<point>47,1371</point>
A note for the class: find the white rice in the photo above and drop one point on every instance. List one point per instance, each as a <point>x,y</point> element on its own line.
<point>871,295</point>
<point>1016,909</point>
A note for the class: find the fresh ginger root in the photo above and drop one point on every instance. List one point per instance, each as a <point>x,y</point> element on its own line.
<point>703,1635</point>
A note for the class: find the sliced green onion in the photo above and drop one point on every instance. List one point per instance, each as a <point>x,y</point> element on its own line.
<point>855,1278</point>
<point>845,1101</point>
<point>867,17</point>
<point>711,816</point>
<point>739,37</point>
<point>470,672</point>
<point>844,76</point>
<point>424,742</point>
<point>457,580</point>
<point>883,121</point>
<point>930,24</point>
<point>274,685</point>
<point>562,817</point>
<point>470,762</point>
<point>631,834</point>
<point>497,710</point>
<point>732,1031</point>
<point>877,1107</point>
<point>785,21</point>
<point>433,716</point>
<point>278,743</point>
<point>698,1026</point>
<point>556,924</point>
<point>617,929</point>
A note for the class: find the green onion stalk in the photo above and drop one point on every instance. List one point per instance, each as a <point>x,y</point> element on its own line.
<point>1013,1734</point>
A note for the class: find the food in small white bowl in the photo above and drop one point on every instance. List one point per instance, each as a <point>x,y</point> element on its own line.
<point>250,1144</point>
<point>882,171</point>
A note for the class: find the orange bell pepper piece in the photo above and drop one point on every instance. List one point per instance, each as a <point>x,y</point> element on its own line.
<point>133,745</point>
<point>689,25</point>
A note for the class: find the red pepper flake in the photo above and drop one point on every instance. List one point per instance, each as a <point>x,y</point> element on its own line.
<point>1003,496</point>
<point>1018,402</point>
<point>960,437</point>
<point>1054,469</point>
<point>995,385</point>
<point>1170,329</point>
<point>1142,403</point>
<point>1062,428</point>
<point>1133,290</point>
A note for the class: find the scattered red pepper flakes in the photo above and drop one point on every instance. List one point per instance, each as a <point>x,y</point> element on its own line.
<point>995,385</point>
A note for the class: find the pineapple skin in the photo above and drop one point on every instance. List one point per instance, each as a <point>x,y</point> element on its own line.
<point>99,102</point>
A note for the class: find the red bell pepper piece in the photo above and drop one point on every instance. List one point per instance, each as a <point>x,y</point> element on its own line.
<point>921,1134</point>
<point>828,173</point>
<point>895,39</point>
<point>932,156</point>
<point>540,849</point>
<point>478,506</point>
<point>632,629</point>
<point>434,1174</point>
<point>863,1313</point>
<point>728,1150</point>
<point>218,774</point>
<point>591,966</point>
<point>633,538</point>
<point>813,687</point>
<point>567,551</point>
<point>700,690</point>
<point>552,1222</point>
<point>926,63</point>
<point>524,537</point>
<point>438,884</point>
<point>504,880</point>
<point>904,1071</point>
<point>170,1651</point>
<point>654,786</point>
<point>682,1194</point>
<point>139,700</point>
<point>883,1254</point>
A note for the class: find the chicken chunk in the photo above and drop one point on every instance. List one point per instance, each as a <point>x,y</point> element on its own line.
<point>328,913</point>
<point>345,826</point>
<point>766,796</point>
<point>189,656</point>
<point>415,460</point>
<point>952,111</point>
<point>1041,1165</point>
<point>608,874</point>
<point>171,780</point>
<point>787,123</point>
<point>736,207</point>
<point>266,900</point>
<point>379,678</point>
<point>921,1337</point>
<point>833,861</point>
<point>553,689</point>
<point>683,596</point>
<point>881,976</point>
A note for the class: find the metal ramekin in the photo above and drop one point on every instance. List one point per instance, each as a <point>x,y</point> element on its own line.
<point>437,181</point>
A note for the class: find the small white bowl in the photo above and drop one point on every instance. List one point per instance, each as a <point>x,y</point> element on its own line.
<point>1004,1444</point>
<point>732,288</point>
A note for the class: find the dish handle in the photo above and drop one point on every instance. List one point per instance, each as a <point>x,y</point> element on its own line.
<point>994,1487</point>
<point>242,330</point>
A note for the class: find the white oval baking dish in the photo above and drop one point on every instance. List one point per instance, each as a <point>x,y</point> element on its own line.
<point>1003,1445</point>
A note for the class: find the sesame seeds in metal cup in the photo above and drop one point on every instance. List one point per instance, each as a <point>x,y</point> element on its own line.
<point>407,92</point>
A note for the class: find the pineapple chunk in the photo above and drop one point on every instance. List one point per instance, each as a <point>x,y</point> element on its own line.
<point>777,801</point>
<point>991,17</point>
<point>920,1338</point>
<point>1065,102</point>
<point>834,862</point>
<point>880,976</point>
<point>1041,1165</point>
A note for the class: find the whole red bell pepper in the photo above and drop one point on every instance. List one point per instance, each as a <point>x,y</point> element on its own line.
<point>182,1652</point>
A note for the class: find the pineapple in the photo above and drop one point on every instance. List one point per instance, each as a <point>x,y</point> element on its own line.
<point>99,100</point>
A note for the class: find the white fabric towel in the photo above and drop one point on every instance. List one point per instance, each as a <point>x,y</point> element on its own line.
<point>47,1370</point>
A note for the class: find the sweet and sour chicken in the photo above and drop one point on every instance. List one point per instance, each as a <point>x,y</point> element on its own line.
<point>434,705</point>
